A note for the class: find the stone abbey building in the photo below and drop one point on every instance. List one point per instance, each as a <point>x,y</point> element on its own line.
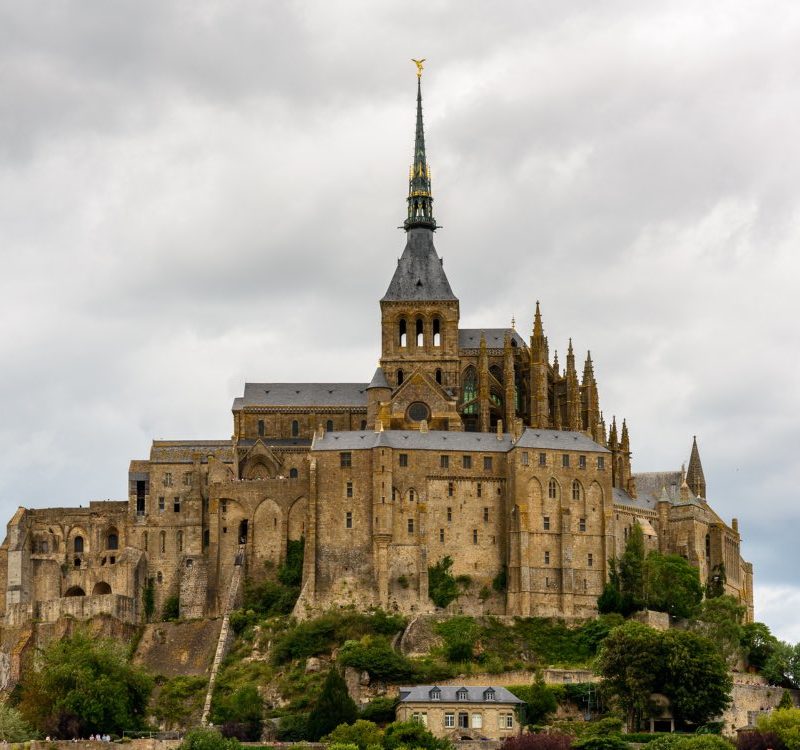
<point>469,443</point>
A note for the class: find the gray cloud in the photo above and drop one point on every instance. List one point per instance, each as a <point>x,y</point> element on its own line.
<point>196,194</point>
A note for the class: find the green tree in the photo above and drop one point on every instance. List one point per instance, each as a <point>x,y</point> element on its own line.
<point>758,644</point>
<point>631,569</point>
<point>783,665</point>
<point>785,723</point>
<point>720,620</point>
<point>179,699</point>
<point>412,734</point>
<point>171,609</point>
<point>362,734</point>
<point>290,572</point>
<point>13,728</point>
<point>540,701</point>
<point>85,685</point>
<point>715,585</point>
<point>630,663</point>
<point>672,585</point>
<point>786,700</point>
<point>240,713</point>
<point>696,678</point>
<point>333,707</point>
<point>442,586</point>
<point>203,738</point>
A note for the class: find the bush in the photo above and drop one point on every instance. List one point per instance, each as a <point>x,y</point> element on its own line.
<point>376,655</point>
<point>381,710</point>
<point>293,728</point>
<point>704,742</point>
<point>601,742</point>
<point>171,609</point>
<point>178,699</point>
<point>13,728</point>
<point>333,707</point>
<point>759,741</point>
<point>785,723</point>
<point>442,586</point>
<point>540,702</point>
<point>203,738</point>
<point>411,734</point>
<point>290,572</point>
<point>240,713</point>
<point>550,741</point>
<point>655,740</point>
<point>360,735</point>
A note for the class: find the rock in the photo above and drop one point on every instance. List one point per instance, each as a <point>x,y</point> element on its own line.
<point>364,679</point>
<point>312,664</point>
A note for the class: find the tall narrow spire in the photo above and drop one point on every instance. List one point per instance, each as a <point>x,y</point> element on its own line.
<point>420,198</point>
<point>694,474</point>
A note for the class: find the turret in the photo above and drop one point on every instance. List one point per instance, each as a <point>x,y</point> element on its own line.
<point>483,384</point>
<point>590,401</point>
<point>509,384</point>
<point>573,392</point>
<point>538,381</point>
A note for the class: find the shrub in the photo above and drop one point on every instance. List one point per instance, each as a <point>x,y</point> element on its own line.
<point>442,586</point>
<point>333,707</point>
<point>171,609</point>
<point>655,740</point>
<point>408,734</point>
<point>360,735</point>
<point>203,738</point>
<point>290,572</point>
<point>381,710</point>
<point>500,581</point>
<point>759,741</point>
<point>240,713</point>
<point>540,702</point>
<point>13,728</point>
<point>601,742</point>
<point>376,655</point>
<point>704,742</point>
<point>550,741</point>
<point>293,728</point>
<point>785,723</point>
<point>179,698</point>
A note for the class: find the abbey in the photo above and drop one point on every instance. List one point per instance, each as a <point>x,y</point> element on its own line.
<point>468,443</point>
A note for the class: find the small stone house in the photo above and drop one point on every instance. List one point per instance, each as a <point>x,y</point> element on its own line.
<point>471,713</point>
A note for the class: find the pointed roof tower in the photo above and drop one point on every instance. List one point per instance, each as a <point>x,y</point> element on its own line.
<point>419,274</point>
<point>694,474</point>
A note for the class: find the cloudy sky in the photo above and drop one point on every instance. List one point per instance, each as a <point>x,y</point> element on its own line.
<point>194,194</point>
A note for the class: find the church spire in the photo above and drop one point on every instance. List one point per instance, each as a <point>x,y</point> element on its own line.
<point>694,474</point>
<point>420,198</point>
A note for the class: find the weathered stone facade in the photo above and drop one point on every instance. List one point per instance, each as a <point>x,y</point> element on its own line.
<point>468,443</point>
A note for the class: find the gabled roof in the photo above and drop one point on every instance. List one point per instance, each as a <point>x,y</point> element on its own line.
<point>419,275</point>
<point>559,440</point>
<point>470,338</point>
<point>302,394</point>
<point>435,440</point>
<point>378,379</point>
<point>475,694</point>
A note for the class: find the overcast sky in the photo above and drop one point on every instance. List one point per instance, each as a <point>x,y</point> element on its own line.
<point>195,194</point>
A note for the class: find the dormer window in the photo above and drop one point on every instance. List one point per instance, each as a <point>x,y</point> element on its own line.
<point>435,694</point>
<point>462,694</point>
<point>489,695</point>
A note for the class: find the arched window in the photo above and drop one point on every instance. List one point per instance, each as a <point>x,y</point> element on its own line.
<point>411,496</point>
<point>577,490</point>
<point>437,332</point>
<point>75,591</point>
<point>420,336</point>
<point>329,426</point>
<point>179,541</point>
<point>292,473</point>
<point>112,539</point>
<point>439,375</point>
<point>363,424</point>
<point>163,542</point>
<point>400,377</point>
<point>77,544</point>
<point>552,489</point>
<point>402,332</point>
<point>295,428</point>
<point>101,588</point>
<point>469,391</point>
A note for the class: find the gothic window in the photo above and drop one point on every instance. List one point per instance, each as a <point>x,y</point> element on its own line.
<point>112,539</point>
<point>168,479</point>
<point>400,377</point>
<point>292,473</point>
<point>420,336</point>
<point>552,489</point>
<point>496,373</point>
<point>329,426</point>
<point>439,375</point>
<point>469,391</point>
<point>402,332</point>
<point>295,428</point>
<point>437,332</point>
<point>577,490</point>
<point>411,496</point>
<point>261,428</point>
<point>77,544</point>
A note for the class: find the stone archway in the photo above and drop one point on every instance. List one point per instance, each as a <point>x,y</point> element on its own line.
<point>101,588</point>
<point>74,591</point>
<point>268,533</point>
<point>297,519</point>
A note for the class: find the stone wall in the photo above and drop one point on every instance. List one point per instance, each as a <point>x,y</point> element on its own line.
<point>751,696</point>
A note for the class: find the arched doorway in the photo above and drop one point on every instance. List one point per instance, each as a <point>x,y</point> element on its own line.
<point>74,591</point>
<point>101,588</point>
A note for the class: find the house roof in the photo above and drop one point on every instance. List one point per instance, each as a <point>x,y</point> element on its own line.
<point>302,394</point>
<point>559,440</point>
<point>419,274</point>
<point>439,440</point>
<point>475,694</point>
<point>470,338</point>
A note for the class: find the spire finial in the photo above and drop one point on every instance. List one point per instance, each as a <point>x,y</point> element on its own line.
<point>513,323</point>
<point>420,197</point>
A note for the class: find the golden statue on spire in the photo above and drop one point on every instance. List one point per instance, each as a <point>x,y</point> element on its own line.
<point>418,63</point>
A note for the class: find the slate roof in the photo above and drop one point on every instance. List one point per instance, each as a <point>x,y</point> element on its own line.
<point>419,274</point>
<point>470,338</point>
<point>644,502</point>
<point>559,440</point>
<point>302,394</point>
<point>421,694</point>
<point>651,483</point>
<point>435,440</point>
<point>378,379</point>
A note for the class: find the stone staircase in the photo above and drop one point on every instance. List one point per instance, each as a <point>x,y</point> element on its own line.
<point>224,641</point>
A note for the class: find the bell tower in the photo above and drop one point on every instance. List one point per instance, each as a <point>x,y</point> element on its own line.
<point>419,312</point>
